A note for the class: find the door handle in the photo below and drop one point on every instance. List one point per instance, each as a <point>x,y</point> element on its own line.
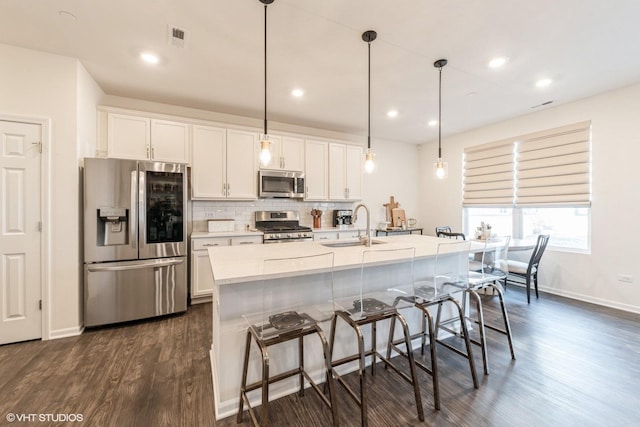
<point>135,266</point>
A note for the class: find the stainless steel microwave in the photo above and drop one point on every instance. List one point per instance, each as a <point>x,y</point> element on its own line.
<point>281,184</point>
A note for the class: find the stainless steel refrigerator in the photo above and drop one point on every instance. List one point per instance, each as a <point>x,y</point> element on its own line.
<point>135,249</point>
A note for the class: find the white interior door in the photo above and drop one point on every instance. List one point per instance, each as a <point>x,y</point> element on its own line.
<point>20,264</point>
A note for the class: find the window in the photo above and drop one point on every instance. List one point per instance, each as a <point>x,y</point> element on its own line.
<point>568,226</point>
<point>533,184</point>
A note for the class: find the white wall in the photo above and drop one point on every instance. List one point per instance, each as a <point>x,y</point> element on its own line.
<point>40,85</point>
<point>616,200</point>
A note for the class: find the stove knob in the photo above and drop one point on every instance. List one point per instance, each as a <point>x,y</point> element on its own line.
<point>290,235</point>
<point>300,234</point>
<point>275,236</point>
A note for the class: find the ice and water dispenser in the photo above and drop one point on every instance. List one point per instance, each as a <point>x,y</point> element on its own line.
<point>113,226</point>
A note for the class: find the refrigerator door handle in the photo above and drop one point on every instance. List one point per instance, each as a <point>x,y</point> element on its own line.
<point>142,210</point>
<point>133,214</point>
<point>137,265</point>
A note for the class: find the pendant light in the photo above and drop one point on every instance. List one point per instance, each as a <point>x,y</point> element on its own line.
<point>265,144</point>
<point>369,165</point>
<point>440,168</point>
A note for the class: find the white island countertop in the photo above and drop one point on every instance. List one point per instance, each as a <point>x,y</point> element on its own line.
<point>239,264</point>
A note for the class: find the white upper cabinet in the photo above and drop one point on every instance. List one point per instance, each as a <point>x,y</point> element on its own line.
<point>141,138</point>
<point>224,163</point>
<point>242,164</point>
<point>128,137</point>
<point>316,167</point>
<point>287,153</point>
<point>345,172</point>
<point>208,162</point>
<point>169,141</point>
<point>353,175</point>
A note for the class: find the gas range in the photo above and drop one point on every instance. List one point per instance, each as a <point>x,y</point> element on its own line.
<point>282,227</point>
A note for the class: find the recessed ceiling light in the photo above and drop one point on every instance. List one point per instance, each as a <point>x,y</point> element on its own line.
<point>150,58</point>
<point>498,62</point>
<point>392,113</point>
<point>433,123</point>
<point>543,82</point>
<point>297,92</point>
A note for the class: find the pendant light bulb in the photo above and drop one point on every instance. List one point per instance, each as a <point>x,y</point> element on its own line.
<point>440,167</point>
<point>369,165</point>
<point>265,144</point>
<point>265,150</point>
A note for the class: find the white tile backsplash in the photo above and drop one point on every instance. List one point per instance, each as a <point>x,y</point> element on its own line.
<point>243,212</point>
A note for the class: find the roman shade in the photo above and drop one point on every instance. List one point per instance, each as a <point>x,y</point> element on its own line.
<point>547,168</point>
<point>489,174</point>
<point>553,167</point>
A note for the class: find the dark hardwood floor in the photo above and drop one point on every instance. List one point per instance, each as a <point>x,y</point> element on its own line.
<point>577,365</point>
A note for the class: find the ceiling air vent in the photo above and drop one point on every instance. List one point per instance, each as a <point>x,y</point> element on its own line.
<point>177,37</point>
<point>542,105</point>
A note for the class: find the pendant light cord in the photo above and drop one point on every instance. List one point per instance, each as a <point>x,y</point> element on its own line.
<point>265,69</point>
<point>440,115</point>
<point>369,100</point>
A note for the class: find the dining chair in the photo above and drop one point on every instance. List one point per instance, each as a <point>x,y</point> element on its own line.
<point>368,304</point>
<point>445,228</point>
<point>286,315</point>
<point>528,272</point>
<point>451,235</point>
<point>436,283</point>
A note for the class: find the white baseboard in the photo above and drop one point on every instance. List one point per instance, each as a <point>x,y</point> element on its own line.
<point>586,298</point>
<point>201,300</point>
<point>65,333</point>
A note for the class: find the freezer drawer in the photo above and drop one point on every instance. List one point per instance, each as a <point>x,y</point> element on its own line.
<point>121,291</point>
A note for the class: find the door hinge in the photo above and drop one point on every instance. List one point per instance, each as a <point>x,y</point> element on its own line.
<point>39,144</point>
<point>39,225</point>
<point>40,305</point>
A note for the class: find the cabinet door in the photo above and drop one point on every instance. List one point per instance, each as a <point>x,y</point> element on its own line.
<point>316,168</point>
<point>169,141</point>
<point>353,172</point>
<point>292,154</point>
<point>128,137</point>
<point>337,169</point>
<point>208,162</point>
<point>201,275</point>
<point>242,164</point>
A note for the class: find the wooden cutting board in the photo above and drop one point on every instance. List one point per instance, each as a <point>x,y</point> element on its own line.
<point>398,216</point>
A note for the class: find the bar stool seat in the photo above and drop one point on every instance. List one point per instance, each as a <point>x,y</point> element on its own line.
<point>367,305</point>
<point>286,316</point>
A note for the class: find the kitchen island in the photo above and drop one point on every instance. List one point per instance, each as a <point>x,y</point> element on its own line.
<point>238,279</point>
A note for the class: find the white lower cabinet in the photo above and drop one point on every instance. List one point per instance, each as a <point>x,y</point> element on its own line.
<point>201,275</point>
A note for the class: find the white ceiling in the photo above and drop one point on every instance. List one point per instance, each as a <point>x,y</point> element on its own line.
<point>585,46</point>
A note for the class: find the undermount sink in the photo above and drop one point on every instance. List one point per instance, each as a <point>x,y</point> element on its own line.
<point>349,243</point>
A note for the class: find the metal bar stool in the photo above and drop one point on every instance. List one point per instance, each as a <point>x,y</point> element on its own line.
<point>372,303</point>
<point>493,270</point>
<point>434,285</point>
<point>288,314</point>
